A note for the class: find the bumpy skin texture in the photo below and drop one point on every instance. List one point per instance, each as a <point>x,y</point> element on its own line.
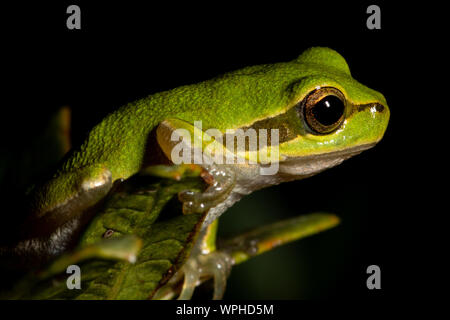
<point>233,100</point>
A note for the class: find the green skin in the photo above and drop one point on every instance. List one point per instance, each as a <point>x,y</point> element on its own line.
<point>115,149</point>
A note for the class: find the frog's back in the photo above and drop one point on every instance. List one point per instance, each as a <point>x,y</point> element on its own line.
<point>233,100</point>
<point>229,101</point>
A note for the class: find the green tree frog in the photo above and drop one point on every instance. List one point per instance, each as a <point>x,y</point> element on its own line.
<point>322,114</point>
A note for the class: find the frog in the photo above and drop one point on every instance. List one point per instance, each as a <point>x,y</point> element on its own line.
<point>312,111</point>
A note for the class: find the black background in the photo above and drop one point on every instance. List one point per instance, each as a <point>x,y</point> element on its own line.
<point>126,51</point>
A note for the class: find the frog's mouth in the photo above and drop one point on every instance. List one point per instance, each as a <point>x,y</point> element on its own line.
<point>310,165</point>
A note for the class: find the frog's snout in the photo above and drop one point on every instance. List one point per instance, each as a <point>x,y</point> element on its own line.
<point>382,110</point>
<point>381,115</point>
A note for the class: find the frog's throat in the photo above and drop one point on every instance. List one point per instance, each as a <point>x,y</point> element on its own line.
<point>306,166</point>
<point>249,179</point>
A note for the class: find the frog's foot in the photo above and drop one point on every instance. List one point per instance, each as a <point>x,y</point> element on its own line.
<point>204,266</point>
<point>221,181</point>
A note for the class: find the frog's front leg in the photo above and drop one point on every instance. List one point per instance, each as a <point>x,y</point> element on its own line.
<point>205,261</point>
<point>221,182</point>
<point>175,136</point>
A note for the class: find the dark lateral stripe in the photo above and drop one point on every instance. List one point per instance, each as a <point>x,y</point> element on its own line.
<point>288,124</point>
<point>362,107</point>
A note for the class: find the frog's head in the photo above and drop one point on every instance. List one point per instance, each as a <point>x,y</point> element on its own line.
<point>330,116</point>
<point>321,114</point>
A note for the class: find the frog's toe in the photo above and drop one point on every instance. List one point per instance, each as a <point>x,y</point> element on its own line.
<point>198,202</point>
<point>222,181</point>
<point>191,279</point>
<point>203,266</point>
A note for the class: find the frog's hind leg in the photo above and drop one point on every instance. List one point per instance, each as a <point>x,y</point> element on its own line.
<point>66,197</point>
<point>58,210</point>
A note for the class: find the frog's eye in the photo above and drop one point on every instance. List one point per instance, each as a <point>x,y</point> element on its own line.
<point>323,110</point>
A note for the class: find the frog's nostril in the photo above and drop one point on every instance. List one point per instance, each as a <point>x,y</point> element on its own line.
<point>379,107</point>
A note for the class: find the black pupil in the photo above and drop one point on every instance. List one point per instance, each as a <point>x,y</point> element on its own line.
<point>328,110</point>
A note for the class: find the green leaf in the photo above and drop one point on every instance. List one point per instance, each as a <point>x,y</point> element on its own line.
<point>144,208</point>
<point>139,238</point>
